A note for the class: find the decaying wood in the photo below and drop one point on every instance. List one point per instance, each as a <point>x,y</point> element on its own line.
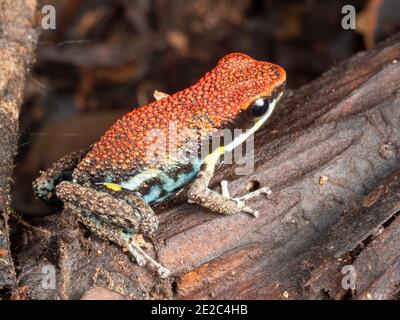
<point>331,157</point>
<point>367,238</point>
<point>17,43</point>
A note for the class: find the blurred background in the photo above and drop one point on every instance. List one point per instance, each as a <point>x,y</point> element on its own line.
<point>106,57</point>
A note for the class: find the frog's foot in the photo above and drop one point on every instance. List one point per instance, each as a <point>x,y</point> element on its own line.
<point>200,193</point>
<point>241,201</point>
<point>142,258</point>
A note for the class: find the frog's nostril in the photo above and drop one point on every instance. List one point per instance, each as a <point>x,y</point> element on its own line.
<point>253,185</point>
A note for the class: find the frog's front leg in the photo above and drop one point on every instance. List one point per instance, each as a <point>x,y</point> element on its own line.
<point>200,193</point>
<point>116,219</point>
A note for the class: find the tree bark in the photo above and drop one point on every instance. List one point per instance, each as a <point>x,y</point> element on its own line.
<point>330,154</point>
<point>17,43</point>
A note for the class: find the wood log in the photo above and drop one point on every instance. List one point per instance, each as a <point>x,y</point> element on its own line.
<point>330,154</point>
<point>17,44</point>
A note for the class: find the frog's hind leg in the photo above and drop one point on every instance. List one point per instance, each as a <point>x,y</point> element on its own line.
<point>200,193</point>
<point>44,185</point>
<point>113,218</point>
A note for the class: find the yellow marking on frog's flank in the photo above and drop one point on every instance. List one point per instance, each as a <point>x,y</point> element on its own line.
<point>113,186</point>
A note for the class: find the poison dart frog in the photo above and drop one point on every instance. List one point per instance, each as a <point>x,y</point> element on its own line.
<point>112,186</point>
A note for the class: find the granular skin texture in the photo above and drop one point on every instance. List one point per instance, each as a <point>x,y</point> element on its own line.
<point>192,114</point>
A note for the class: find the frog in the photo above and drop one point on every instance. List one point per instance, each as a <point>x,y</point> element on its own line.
<point>113,186</point>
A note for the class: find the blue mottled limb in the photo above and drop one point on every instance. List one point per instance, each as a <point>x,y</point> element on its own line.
<point>44,185</point>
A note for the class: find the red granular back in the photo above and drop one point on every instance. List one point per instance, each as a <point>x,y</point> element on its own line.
<point>210,104</point>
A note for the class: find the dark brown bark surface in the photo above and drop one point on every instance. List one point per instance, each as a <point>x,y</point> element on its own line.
<point>17,43</point>
<point>331,156</point>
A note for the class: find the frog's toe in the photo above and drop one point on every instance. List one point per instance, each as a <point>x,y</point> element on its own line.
<point>251,211</point>
<point>256,193</point>
<point>139,258</point>
<point>163,272</point>
<point>143,258</point>
<point>248,196</point>
<point>241,201</point>
<point>242,207</point>
<point>43,188</point>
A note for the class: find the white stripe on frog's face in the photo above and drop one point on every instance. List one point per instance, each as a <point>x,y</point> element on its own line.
<point>211,158</point>
<point>258,123</point>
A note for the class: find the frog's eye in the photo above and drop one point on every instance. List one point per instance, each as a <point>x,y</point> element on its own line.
<point>260,107</point>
